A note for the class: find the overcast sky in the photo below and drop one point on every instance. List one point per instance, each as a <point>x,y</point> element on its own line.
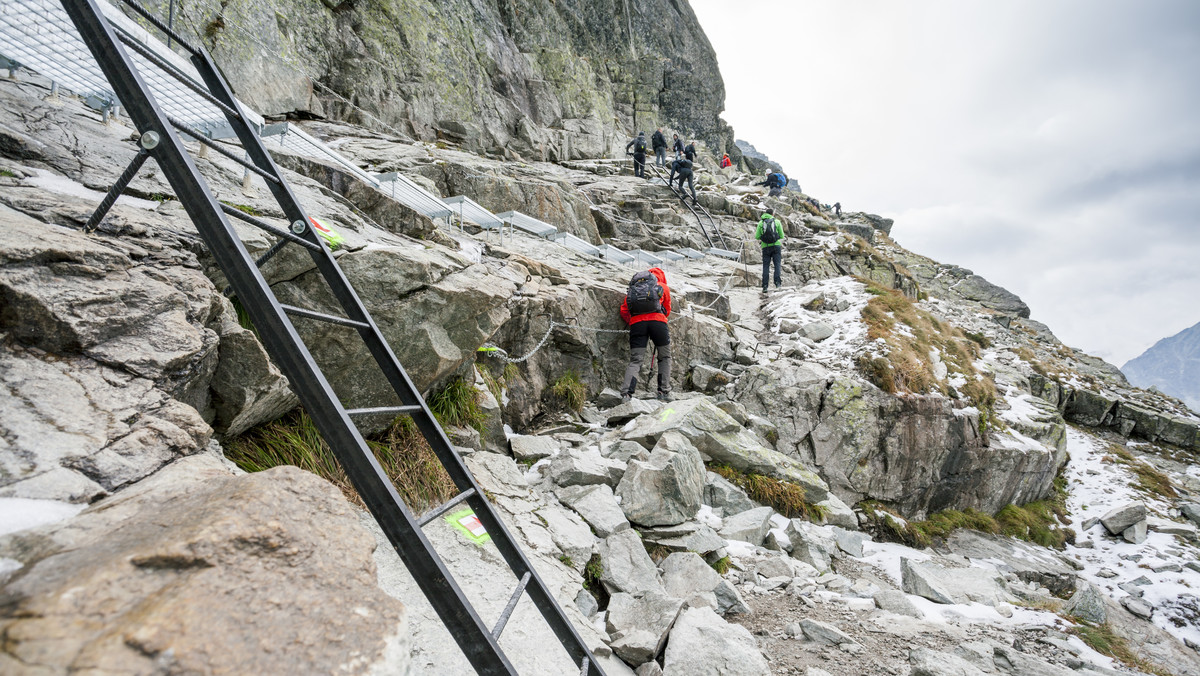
<point>1051,146</point>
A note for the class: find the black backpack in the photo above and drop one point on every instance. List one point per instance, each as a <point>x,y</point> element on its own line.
<point>640,146</point>
<point>770,233</point>
<point>644,295</point>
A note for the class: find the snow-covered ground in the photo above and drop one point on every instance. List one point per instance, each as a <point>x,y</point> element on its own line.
<point>849,338</point>
<point>1095,487</point>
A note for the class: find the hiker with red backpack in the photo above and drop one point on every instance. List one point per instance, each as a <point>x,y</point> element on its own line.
<point>726,162</point>
<point>645,309</point>
<point>769,234</point>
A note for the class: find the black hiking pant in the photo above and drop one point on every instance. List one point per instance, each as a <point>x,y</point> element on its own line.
<point>640,335</point>
<point>772,254</point>
<point>691,179</point>
<point>639,165</point>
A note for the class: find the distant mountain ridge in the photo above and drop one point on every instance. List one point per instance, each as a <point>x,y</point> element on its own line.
<point>1172,365</point>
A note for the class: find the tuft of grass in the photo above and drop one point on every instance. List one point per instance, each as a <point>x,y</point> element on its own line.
<point>243,316</point>
<point>1038,522</point>
<point>978,338</point>
<point>721,565</point>
<point>570,390</point>
<point>567,561</point>
<point>7,174</point>
<point>785,497</point>
<point>457,405</point>
<point>1149,478</point>
<point>403,453</point>
<point>592,572</point>
<point>771,435</point>
<point>1105,641</point>
<point>497,384</point>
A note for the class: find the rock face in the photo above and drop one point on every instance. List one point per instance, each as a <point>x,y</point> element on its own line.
<point>934,457</point>
<point>243,564</point>
<point>666,489</point>
<point>543,79</point>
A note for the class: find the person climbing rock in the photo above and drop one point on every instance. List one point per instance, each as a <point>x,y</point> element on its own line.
<point>677,147</point>
<point>837,209</point>
<point>646,307</point>
<point>689,151</point>
<point>681,170</point>
<point>775,181</point>
<point>726,162</point>
<point>659,143</point>
<point>639,154</point>
<point>769,234</point>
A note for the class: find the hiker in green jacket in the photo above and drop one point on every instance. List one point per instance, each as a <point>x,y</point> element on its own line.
<point>769,234</point>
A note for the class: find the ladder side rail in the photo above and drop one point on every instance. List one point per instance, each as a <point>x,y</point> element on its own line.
<point>285,345</point>
<point>402,384</point>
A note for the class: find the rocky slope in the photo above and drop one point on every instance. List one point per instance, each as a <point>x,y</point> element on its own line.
<point>887,386</point>
<point>1172,365</point>
<point>547,79</point>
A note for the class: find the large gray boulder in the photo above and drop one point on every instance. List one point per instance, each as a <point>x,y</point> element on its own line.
<point>896,601</point>
<point>530,448</point>
<point>724,497</point>
<point>627,566</point>
<point>823,632</point>
<point>570,534</point>
<point>689,536</point>
<point>749,526</point>
<point>1033,564</point>
<point>638,624</point>
<point>686,576</point>
<point>810,544</point>
<point>666,489</point>
<point>953,585</point>
<point>585,467</point>
<point>1117,519</point>
<point>723,440</point>
<point>210,579</point>
<point>926,662</point>
<point>703,644</point>
<point>1087,603</point>
<point>597,505</point>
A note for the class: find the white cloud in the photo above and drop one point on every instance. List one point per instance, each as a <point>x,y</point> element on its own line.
<point>1051,147</point>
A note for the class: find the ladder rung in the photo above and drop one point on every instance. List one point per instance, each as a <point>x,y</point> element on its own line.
<point>397,410</point>
<point>263,225</point>
<point>270,253</point>
<point>160,25</point>
<point>512,604</point>
<point>322,317</point>
<point>217,147</point>
<point>446,506</point>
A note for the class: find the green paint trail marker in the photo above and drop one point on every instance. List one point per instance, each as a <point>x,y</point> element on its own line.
<point>465,522</point>
<point>667,414</point>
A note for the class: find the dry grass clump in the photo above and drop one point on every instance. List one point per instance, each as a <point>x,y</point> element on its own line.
<point>1149,478</point>
<point>1038,522</point>
<point>1102,639</point>
<point>911,335</point>
<point>403,453</point>
<point>570,390</point>
<point>785,497</point>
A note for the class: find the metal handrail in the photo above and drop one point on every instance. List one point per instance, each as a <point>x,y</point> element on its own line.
<point>692,208</point>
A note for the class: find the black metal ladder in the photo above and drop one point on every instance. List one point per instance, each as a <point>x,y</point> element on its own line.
<point>160,140</point>
<point>692,207</point>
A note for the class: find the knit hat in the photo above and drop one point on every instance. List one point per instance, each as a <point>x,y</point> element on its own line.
<point>641,133</point>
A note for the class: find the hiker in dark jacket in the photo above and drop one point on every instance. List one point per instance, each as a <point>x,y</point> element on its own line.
<point>682,170</point>
<point>677,147</point>
<point>646,326</point>
<point>775,181</point>
<point>639,154</point>
<point>769,234</point>
<point>659,142</point>
<point>837,209</point>
<point>689,151</point>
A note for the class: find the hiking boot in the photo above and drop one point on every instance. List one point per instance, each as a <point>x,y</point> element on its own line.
<point>625,398</point>
<point>665,396</point>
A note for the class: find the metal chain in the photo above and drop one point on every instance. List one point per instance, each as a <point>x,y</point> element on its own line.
<point>502,354</point>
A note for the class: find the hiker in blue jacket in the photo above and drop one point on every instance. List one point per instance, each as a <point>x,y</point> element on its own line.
<point>769,234</point>
<point>775,181</point>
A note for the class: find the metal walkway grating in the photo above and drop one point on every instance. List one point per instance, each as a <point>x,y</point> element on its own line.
<point>576,244</point>
<point>470,210</point>
<point>528,224</point>
<point>405,191</point>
